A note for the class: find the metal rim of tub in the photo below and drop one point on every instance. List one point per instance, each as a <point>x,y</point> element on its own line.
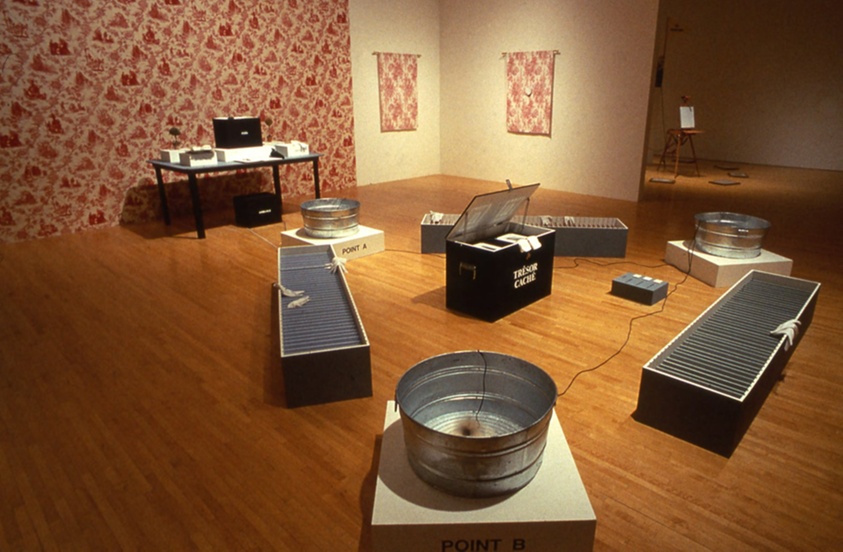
<point>730,235</point>
<point>330,217</point>
<point>475,422</point>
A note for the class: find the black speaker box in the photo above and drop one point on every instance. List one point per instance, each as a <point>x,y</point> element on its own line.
<point>256,209</point>
<point>237,132</point>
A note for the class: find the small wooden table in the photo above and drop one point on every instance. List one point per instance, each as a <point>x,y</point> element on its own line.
<point>191,173</point>
<point>675,139</point>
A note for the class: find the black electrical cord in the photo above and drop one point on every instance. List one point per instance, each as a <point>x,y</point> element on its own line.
<point>411,252</point>
<point>579,260</point>
<point>263,238</point>
<point>483,393</point>
<point>634,318</point>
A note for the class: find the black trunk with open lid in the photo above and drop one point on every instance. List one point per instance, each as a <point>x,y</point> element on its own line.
<point>495,264</point>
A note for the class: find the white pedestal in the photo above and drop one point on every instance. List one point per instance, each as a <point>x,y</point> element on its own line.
<point>365,242</point>
<point>551,513</point>
<point>721,271</point>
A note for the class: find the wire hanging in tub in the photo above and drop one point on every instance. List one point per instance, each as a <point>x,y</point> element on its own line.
<point>482,391</point>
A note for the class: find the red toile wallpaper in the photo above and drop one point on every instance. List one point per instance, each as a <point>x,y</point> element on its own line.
<point>399,91</point>
<point>529,92</point>
<point>89,88</point>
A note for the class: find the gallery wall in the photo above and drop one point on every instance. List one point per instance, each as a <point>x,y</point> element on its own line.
<point>402,27</point>
<point>89,89</point>
<point>765,79</point>
<point>600,99</point>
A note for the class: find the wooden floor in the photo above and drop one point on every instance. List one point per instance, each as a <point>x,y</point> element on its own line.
<point>141,403</point>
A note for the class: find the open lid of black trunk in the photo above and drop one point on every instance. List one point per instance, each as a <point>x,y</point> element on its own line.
<point>488,214</point>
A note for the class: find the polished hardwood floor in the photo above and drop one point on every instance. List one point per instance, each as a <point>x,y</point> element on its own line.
<point>141,402</point>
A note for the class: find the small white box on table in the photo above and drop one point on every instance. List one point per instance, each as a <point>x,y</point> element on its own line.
<point>197,157</point>
<point>291,149</point>
<point>171,155</point>
<point>254,153</point>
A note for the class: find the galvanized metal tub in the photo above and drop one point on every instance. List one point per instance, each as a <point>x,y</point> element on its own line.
<point>475,422</point>
<point>330,217</point>
<point>731,235</point>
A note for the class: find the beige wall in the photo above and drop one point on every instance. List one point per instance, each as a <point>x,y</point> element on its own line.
<point>399,26</point>
<point>600,95</point>
<point>765,78</point>
<point>602,85</point>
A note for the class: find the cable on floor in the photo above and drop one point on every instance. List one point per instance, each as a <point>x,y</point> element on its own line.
<point>634,318</point>
<point>578,260</point>
<point>252,230</point>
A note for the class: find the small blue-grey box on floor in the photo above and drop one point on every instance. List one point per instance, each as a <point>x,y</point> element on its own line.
<point>638,288</point>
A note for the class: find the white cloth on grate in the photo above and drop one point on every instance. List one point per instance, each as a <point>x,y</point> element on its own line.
<point>286,292</point>
<point>298,302</point>
<point>788,329</point>
<point>337,263</point>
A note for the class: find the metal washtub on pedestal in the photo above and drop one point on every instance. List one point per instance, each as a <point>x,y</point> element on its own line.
<point>330,217</point>
<point>730,235</point>
<point>707,385</point>
<point>475,422</point>
<point>324,348</point>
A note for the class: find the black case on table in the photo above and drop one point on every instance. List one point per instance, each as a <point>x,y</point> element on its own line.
<point>237,132</point>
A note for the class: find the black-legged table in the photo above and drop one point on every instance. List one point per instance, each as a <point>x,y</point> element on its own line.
<point>192,172</point>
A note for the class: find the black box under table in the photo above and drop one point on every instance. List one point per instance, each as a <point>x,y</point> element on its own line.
<point>257,209</point>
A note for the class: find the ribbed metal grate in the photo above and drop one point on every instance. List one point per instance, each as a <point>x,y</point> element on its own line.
<point>328,320</point>
<point>728,350</point>
<point>574,222</point>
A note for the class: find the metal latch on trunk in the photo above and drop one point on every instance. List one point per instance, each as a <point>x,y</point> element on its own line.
<point>468,268</point>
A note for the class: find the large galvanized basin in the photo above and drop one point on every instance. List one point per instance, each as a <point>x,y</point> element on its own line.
<point>475,422</point>
<point>731,235</point>
<point>330,217</point>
